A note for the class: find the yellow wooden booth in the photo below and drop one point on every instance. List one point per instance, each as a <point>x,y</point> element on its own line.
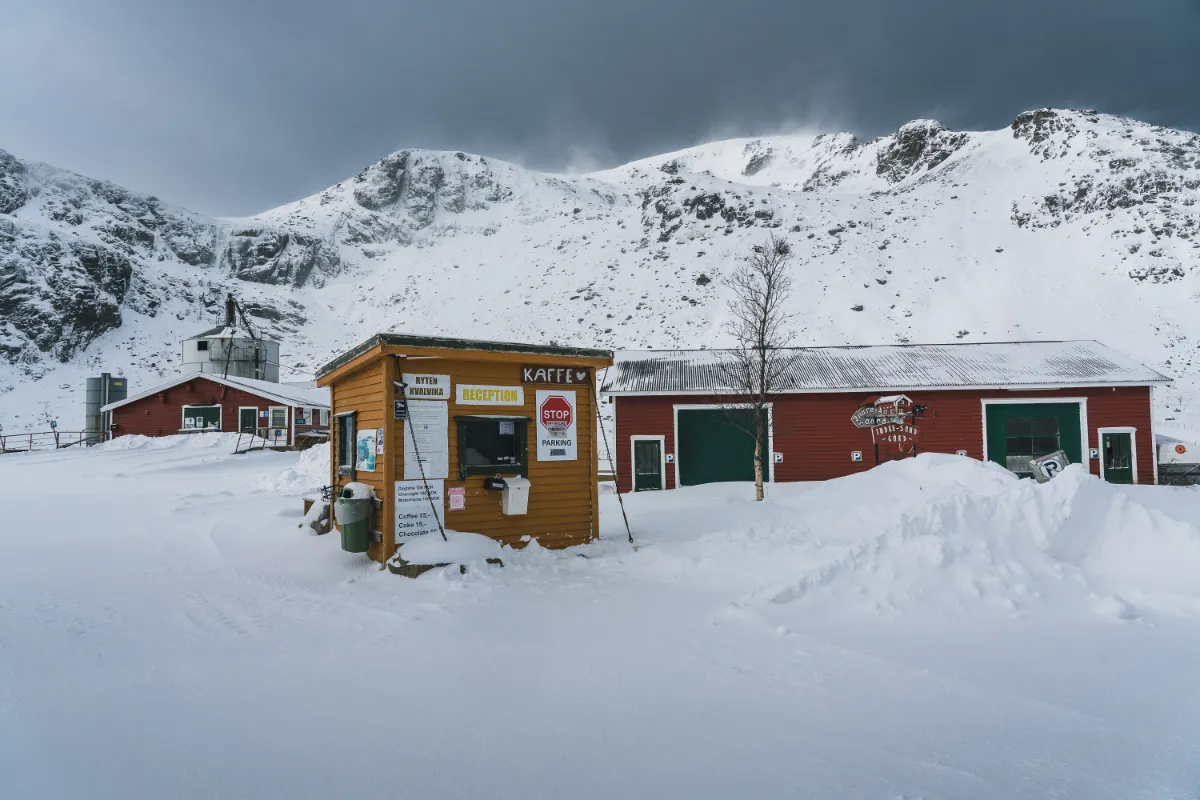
<point>499,437</point>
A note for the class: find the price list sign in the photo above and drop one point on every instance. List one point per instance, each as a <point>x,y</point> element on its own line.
<point>415,515</point>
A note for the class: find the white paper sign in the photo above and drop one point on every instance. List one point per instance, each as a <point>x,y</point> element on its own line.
<point>414,515</point>
<point>557,418</point>
<point>428,426</point>
<point>426,387</point>
<point>469,394</point>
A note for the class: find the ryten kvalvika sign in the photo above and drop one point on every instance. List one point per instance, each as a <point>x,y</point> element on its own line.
<point>558,376</point>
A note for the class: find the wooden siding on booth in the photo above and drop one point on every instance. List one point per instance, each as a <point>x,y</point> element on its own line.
<point>563,496</point>
<point>815,436</point>
<point>362,391</point>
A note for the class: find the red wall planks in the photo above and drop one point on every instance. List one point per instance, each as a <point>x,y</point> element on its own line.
<point>815,436</point>
<point>161,414</point>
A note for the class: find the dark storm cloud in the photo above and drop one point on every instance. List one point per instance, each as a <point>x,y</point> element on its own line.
<point>231,107</point>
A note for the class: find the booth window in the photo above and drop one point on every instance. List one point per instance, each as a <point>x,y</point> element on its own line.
<point>345,443</point>
<point>202,345</point>
<point>491,445</point>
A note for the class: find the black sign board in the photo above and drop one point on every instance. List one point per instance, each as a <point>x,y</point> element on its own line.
<point>557,376</point>
<point>400,408</point>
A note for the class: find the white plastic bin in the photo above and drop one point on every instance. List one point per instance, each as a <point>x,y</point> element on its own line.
<point>514,498</point>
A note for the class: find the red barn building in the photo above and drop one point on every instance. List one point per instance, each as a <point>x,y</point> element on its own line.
<point>841,410</point>
<point>285,414</point>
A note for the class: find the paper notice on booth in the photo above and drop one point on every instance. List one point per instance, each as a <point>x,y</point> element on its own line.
<point>416,515</point>
<point>427,431</point>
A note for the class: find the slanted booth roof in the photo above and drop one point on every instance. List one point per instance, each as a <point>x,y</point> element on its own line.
<point>302,396</point>
<point>449,348</point>
<point>1028,365</point>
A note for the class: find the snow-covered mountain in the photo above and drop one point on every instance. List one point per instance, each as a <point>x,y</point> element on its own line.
<point>1068,224</point>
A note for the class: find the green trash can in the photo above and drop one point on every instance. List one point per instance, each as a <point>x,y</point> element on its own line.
<point>352,509</point>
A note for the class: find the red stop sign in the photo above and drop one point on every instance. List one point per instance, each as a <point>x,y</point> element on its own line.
<point>555,412</point>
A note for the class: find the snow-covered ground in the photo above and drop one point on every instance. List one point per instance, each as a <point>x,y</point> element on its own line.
<point>931,629</point>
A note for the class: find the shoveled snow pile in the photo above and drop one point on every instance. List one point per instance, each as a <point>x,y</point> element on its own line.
<point>943,532</point>
<point>310,472</point>
<point>181,441</point>
<point>933,628</point>
<point>457,548</point>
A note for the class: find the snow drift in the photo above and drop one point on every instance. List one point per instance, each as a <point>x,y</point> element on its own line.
<point>940,533</point>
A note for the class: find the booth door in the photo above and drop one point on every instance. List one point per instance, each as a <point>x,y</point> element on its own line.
<point>647,464</point>
<point>1117,451</point>
<point>248,420</point>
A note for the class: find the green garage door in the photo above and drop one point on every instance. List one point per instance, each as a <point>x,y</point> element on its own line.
<point>712,448</point>
<point>1017,432</point>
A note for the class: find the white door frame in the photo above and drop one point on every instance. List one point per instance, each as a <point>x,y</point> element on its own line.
<point>287,414</point>
<point>1132,446</point>
<point>248,408</point>
<point>220,414</point>
<point>1084,445</point>
<point>662,457</point>
<point>770,454</point>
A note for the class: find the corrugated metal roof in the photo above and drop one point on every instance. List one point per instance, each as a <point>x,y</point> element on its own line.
<point>928,366</point>
<point>306,395</point>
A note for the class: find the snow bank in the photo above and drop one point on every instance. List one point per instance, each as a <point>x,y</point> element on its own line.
<point>307,475</point>
<point>458,548</point>
<point>940,532</point>
<point>179,441</point>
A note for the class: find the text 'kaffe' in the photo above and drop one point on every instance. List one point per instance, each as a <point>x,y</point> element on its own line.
<point>565,376</point>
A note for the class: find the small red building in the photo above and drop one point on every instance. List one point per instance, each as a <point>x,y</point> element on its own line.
<point>842,410</point>
<point>284,414</point>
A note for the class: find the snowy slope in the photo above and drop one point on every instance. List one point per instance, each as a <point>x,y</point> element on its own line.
<point>1068,224</point>
<point>934,628</point>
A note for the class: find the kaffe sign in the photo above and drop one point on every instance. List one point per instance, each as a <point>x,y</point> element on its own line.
<point>559,376</point>
<point>556,425</point>
<point>474,395</point>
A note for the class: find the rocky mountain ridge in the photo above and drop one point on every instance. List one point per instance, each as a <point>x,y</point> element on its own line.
<point>1067,224</point>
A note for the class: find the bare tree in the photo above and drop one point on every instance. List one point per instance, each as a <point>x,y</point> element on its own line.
<point>759,326</point>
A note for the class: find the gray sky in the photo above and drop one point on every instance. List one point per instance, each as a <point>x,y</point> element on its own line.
<point>233,106</point>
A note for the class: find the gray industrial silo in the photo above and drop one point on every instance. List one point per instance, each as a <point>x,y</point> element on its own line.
<point>100,392</point>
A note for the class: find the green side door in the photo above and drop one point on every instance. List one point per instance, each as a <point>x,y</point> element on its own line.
<point>1116,450</point>
<point>1018,432</point>
<point>647,464</point>
<point>248,420</point>
<point>712,448</point>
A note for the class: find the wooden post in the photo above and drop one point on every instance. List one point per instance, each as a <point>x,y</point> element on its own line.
<point>594,489</point>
